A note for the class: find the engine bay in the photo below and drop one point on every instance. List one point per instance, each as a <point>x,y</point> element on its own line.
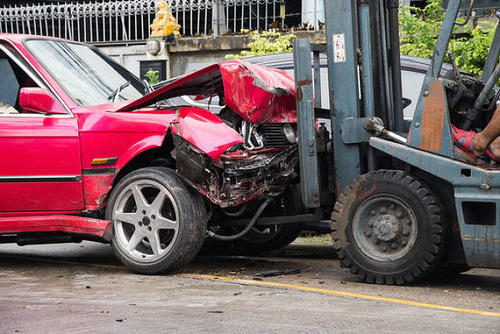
<point>263,163</point>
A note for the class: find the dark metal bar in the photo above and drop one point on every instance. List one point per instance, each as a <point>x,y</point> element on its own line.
<point>381,107</point>
<point>387,95</point>
<point>485,93</point>
<point>397,89</point>
<point>263,221</point>
<point>321,48</point>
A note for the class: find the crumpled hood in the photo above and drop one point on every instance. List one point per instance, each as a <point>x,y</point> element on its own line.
<point>257,93</point>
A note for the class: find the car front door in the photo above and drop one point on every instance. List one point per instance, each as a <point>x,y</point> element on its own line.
<point>40,167</point>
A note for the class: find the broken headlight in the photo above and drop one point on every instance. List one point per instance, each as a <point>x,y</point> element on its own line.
<point>289,132</point>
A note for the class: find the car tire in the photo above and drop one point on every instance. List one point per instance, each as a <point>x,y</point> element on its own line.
<point>387,228</point>
<point>158,224</point>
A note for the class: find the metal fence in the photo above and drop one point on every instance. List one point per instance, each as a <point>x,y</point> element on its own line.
<point>113,20</point>
<point>253,14</point>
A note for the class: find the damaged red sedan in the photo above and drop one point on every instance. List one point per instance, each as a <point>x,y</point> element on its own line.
<point>90,152</point>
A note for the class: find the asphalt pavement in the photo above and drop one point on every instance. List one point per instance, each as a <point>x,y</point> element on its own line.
<point>82,288</point>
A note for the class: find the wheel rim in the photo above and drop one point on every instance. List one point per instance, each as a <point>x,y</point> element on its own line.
<point>385,228</point>
<point>146,220</point>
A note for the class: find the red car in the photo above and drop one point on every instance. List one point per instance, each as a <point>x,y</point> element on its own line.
<point>89,152</point>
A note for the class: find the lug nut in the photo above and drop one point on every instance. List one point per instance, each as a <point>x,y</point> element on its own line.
<point>392,207</point>
<point>400,214</point>
<point>373,212</point>
<point>384,249</point>
<point>153,217</point>
<point>383,209</point>
<point>143,212</point>
<point>368,233</point>
<point>149,228</point>
<point>394,245</point>
<point>140,223</point>
<point>407,221</point>
<point>404,243</point>
<point>406,233</point>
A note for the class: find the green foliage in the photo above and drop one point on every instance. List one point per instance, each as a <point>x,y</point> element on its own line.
<point>152,76</point>
<point>471,53</point>
<point>265,43</point>
<point>419,29</point>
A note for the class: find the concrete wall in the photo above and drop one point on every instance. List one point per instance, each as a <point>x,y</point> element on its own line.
<point>128,55</point>
<point>190,54</point>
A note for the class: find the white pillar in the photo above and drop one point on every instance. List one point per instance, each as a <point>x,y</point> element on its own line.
<point>312,12</point>
<point>218,18</point>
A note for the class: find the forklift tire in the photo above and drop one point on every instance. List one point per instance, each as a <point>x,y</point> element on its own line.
<point>259,240</point>
<point>387,228</point>
<point>158,224</point>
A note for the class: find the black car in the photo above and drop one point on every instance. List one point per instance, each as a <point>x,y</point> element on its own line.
<point>413,71</point>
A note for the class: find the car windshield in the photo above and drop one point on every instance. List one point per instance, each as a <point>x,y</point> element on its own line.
<point>86,74</point>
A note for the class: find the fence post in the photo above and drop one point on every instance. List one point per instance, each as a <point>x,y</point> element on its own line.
<point>218,18</point>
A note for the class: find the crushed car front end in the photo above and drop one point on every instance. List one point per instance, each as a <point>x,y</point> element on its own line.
<point>244,151</point>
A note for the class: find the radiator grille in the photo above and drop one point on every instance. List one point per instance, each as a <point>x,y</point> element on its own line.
<point>273,135</point>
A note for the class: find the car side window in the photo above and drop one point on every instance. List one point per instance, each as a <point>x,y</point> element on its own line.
<point>9,88</point>
<point>13,79</point>
<point>412,84</point>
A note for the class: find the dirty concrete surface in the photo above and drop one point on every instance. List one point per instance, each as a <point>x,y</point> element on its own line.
<point>82,288</point>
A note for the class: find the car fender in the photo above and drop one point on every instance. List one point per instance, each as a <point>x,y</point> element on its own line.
<point>98,182</point>
<point>205,131</point>
<point>109,142</point>
<point>150,142</point>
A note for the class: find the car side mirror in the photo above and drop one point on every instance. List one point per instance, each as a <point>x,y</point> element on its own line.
<point>40,100</point>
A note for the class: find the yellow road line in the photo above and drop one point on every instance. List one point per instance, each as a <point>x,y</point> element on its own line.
<point>281,285</point>
<point>347,294</point>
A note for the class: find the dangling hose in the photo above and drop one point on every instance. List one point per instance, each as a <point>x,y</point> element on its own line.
<point>237,213</point>
<point>261,209</point>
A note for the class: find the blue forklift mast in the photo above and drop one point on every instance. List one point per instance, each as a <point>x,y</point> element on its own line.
<point>405,204</point>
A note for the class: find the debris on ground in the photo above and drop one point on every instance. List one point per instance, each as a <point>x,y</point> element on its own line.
<point>278,272</point>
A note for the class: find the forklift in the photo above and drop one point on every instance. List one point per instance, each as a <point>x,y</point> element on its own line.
<point>406,204</point>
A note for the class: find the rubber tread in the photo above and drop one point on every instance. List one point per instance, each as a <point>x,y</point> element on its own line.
<point>423,264</point>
